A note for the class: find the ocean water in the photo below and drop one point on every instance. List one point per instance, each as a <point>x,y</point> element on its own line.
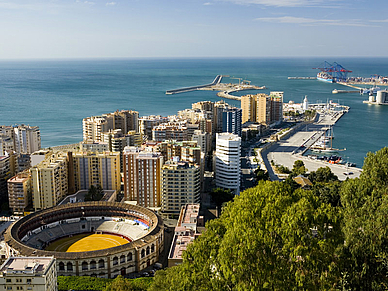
<point>57,94</point>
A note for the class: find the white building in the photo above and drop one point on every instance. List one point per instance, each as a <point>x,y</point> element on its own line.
<point>29,273</point>
<point>227,161</point>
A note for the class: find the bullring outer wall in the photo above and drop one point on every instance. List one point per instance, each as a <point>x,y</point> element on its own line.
<point>107,263</point>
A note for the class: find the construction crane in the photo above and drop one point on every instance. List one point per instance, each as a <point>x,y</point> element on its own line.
<point>239,80</point>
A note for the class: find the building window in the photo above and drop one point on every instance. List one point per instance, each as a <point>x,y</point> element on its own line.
<point>115,261</point>
<point>69,266</point>
<point>101,264</point>
<point>93,265</point>
<point>84,266</point>
<point>61,266</point>
<point>129,257</point>
<point>142,253</point>
<point>122,259</point>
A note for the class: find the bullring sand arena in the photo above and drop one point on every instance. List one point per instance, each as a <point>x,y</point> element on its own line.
<point>86,243</point>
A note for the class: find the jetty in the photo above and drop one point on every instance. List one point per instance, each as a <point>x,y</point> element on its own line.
<point>224,89</point>
<point>216,81</point>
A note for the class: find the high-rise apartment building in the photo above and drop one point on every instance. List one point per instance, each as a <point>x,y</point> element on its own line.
<point>219,108</point>
<point>142,170</point>
<point>27,139</point>
<point>188,151</point>
<point>19,138</point>
<point>181,184</point>
<point>203,140</point>
<point>49,181</point>
<point>19,192</point>
<point>262,108</point>
<point>94,168</point>
<point>231,120</point>
<point>276,106</point>
<point>227,161</point>
<point>248,106</point>
<point>94,126</point>
<point>5,174</point>
<point>170,131</point>
<point>147,123</point>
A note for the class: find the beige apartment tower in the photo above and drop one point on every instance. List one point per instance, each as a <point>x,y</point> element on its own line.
<point>248,106</point>
<point>94,168</point>
<point>262,108</point>
<point>19,192</point>
<point>49,181</point>
<point>142,170</point>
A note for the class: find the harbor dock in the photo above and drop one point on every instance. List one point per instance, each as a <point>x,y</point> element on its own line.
<point>295,145</point>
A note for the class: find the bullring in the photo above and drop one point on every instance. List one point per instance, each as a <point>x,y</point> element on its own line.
<point>141,227</point>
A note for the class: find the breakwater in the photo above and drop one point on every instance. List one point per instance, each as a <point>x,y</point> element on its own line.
<point>216,81</point>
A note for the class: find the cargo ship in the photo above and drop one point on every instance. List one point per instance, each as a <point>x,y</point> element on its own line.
<point>325,77</point>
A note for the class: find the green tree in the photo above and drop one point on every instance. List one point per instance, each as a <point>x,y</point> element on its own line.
<point>322,175</point>
<point>261,175</point>
<point>298,168</point>
<point>269,237</point>
<point>121,284</point>
<point>328,192</point>
<point>221,196</point>
<point>95,193</point>
<point>365,210</point>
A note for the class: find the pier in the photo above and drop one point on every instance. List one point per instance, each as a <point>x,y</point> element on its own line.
<point>216,81</point>
<point>302,78</point>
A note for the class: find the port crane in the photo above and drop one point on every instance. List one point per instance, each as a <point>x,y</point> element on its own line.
<point>335,70</point>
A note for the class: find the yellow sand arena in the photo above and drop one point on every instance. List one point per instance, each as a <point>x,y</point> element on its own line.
<point>86,243</point>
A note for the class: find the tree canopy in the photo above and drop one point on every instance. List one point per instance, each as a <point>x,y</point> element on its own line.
<point>279,237</point>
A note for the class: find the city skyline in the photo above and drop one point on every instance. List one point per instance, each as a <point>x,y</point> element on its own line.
<point>39,29</point>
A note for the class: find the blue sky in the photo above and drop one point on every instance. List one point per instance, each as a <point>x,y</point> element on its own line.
<point>192,28</point>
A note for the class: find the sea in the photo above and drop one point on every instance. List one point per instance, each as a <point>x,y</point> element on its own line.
<point>57,94</point>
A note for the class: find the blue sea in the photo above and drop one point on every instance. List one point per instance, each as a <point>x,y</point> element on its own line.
<point>57,94</point>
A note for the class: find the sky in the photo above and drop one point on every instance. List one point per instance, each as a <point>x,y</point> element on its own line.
<point>40,29</point>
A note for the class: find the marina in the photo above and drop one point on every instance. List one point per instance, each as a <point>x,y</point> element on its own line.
<point>300,145</point>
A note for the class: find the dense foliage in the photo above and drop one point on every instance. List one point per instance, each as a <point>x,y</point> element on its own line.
<point>82,283</point>
<point>99,284</point>
<point>277,236</point>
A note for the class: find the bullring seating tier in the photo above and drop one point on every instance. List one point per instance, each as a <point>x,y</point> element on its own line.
<point>129,229</point>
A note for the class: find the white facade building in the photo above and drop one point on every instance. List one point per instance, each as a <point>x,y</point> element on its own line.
<point>227,161</point>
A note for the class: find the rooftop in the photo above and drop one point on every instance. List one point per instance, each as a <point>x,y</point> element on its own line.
<point>26,265</point>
